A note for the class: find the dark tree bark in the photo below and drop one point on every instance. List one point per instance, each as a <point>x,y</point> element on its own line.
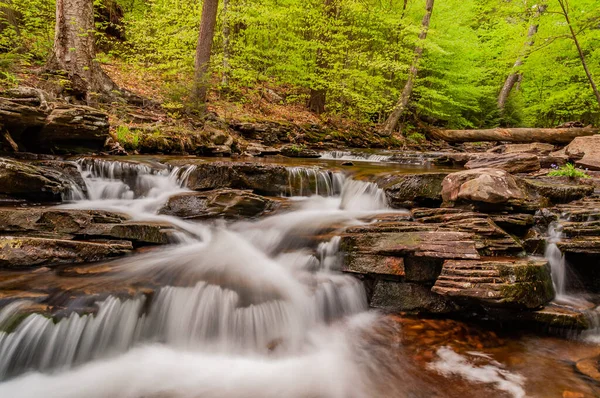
<point>203,49</point>
<point>521,135</point>
<point>318,96</point>
<point>516,76</point>
<point>564,5</point>
<point>392,121</point>
<point>74,51</point>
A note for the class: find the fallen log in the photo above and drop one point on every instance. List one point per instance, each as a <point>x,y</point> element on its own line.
<point>36,126</point>
<point>520,135</point>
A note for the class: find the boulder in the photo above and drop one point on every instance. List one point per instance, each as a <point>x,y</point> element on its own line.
<point>264,179</point>
<point>32,182</point>
<point>411,190</point>
<point>482,187</point>
<point>537,148</point>
<point>23,252</point>
<point>511,162</point>
<point>585,151</point>
<point>513,283</point>
<point>228,203</point>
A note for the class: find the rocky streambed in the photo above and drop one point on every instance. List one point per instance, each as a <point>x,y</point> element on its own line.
<point>259,254</point>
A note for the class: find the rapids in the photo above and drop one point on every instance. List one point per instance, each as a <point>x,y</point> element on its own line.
<point>243,309</point>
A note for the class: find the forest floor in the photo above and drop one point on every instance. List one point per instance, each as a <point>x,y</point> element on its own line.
<point>164,126</point>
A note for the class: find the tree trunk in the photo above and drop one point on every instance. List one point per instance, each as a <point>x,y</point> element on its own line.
<point>521,135</point>
<point>515,76</point>
<point>226,37</point>
<point>203,49</point>
<point>11,17</point>
<point>565,7</point>
<point>318,96</point>
<point>392,122</point>
<point>74,50</point>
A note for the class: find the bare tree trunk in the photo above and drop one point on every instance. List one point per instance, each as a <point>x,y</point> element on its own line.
<point>565,8</point>
<point>522,135</point>
<point>392,121</point>
<point>226,38</point>
<point>515,76</point>
<point>203,49</point>
<point>74,50</point>
<point>318,96</point>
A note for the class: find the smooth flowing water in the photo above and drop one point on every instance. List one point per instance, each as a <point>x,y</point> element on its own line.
<point>241,310</point>
<point>254,309</point>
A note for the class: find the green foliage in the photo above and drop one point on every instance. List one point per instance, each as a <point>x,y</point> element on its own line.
<point>568,170</point>
<point>358,51</point>
<point>416,138</point>
<point>128,139</point>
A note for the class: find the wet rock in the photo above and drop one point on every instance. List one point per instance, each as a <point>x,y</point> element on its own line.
<point>586,152</point>
<point>444,244</point>
<point>490,239</point>
<point>411,190</point>
<point>294,151</point>
<point>256,149</point>
<point>396,297</point>
<point>511,162</point>
<point>537,148</point>
<point>265,179</point>
<point>31,182</point>
<point>507,283</point>
<point>556,190</point>
<point>22,252</point>
<point>555,316</point>
<point>454,159</point>
<point>228,203</point>
<point>82,224</point>
<point>482,187</point>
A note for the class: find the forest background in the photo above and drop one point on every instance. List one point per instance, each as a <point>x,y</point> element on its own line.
<point>344,59</point>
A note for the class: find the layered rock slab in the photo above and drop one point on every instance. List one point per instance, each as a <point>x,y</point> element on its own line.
<point>516,283</point>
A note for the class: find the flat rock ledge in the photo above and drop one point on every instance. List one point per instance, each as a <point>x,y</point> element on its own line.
<point>48,236</point>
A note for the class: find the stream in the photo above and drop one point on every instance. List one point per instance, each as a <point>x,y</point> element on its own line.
<point>256,308</point>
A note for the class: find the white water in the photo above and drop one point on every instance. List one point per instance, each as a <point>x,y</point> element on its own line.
<point>489,371</point>
<point>250,309</point>
<point>557,261</point>
<point>355,156</point>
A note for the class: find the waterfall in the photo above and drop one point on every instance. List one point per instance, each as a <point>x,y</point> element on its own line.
<point>254,294</point>
<point>305,181</point>
<point>556,259</point>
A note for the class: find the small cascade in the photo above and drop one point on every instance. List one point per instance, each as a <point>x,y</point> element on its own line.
<point>306,181</point>
<point>107,179</point>
<point>362,195</point>
<point>355,156</point>
<point>556,259</point>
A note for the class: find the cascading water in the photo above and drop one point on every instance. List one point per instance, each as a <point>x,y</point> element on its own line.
<point>556,259</point>
<point>246,309</point>
<point>359,157</point>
